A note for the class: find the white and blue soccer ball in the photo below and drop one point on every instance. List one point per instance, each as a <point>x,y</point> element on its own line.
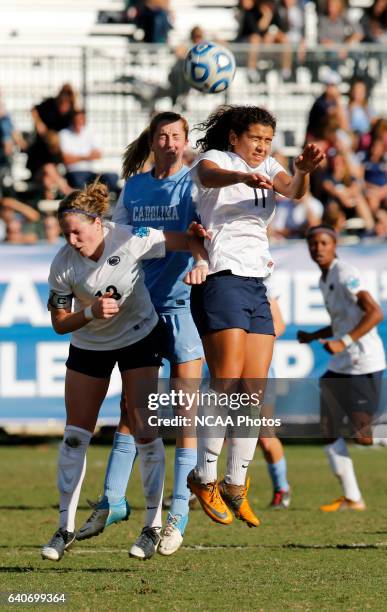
<point>209,67</point>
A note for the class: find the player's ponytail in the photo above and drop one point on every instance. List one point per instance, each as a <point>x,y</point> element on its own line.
<point>136,154</point>
<point>92,201</point>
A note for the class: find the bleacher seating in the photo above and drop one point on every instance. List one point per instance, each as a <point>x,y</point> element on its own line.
<point>45,43</point>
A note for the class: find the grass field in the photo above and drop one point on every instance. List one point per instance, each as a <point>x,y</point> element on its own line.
<point>298,559</point>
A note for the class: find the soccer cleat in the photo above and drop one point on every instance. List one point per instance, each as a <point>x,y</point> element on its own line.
<point>104,514</point>
<point>172,534</point>
<point>192,504</point>
<point>146,544</point>
<point>281,499</point>
<point>343,504</point>
<point>235,497</point>
<point>60,541</point>
<point>210,499</point>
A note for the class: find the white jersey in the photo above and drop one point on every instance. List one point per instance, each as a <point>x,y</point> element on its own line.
<point>118,269</point>
<point>340,289</point>
<point>237,217</point>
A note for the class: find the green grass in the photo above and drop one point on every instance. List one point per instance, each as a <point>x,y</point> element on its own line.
<point>298,559</point>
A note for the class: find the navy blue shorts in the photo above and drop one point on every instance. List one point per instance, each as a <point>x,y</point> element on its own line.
<point>344,394</point>
<point>228,301</point>
<point>142,354</point>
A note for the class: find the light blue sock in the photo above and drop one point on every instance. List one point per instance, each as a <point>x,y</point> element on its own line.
<point>185,461</point>
<point>277,473</point>
<point>119,467</point>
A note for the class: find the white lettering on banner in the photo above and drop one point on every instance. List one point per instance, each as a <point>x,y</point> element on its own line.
<point>21,303</point>
<point>9,385</point>
<point>292,360</point>
<point>309,307</point>
<point>50,372</point>
<point>50,368</point>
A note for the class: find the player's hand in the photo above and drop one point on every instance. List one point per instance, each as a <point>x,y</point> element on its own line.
<point>198,274</point>
<point>197,230</point>
<point>256,181</point>
<point>105,307</point>
<point>304,337</point>
<point>310,159</point>
<point>333,346</point>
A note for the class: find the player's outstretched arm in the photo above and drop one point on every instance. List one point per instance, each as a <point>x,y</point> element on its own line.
<point>64,321</point>
<point>212,176</point>
<point>295,187</point>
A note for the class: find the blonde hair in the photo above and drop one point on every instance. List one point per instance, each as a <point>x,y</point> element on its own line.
<point>138,151</point>
<point>92,201</point>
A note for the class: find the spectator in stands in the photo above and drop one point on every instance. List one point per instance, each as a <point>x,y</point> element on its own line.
<point>374,22</point>
<point>51,228</point>
<point>335,28</point>
<point>381,223</point>
<point>329,105</point>
<point>50,116</point>
<point>13,217</point>
<point>259,23</point>
<point>360,113</point>
<point>79,150</point>
<point>154,19</point>
<point>375,175</point>
<point>291,15</point>
<point>342,188</point>
<point>178,87</point>
<point>9,137</point>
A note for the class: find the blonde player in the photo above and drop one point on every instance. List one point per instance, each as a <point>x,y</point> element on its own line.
<point>113,321</point>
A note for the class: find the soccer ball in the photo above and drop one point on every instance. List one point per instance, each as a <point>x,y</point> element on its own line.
<point>209,67</point>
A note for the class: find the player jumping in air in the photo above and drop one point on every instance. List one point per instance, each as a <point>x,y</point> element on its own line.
<point>236,179</point>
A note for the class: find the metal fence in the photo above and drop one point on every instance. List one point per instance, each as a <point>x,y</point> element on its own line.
<point>122,84</point>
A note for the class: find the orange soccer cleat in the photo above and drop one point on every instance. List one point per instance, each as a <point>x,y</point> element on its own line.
<point>343,504</point>
<point>235,497</point>
<point>210,499</point>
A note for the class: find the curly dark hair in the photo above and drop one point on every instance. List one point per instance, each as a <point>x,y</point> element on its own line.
<point>237,118</point>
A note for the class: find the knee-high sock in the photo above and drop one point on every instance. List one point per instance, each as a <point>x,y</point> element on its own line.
<point>71,472</point>
<point>342,467</point>
<point>240,451</point>
<point>185,461</point>
<point>210,439</point>
<point>278,475</point>
<point>119,467</point>
<point>152,468</point>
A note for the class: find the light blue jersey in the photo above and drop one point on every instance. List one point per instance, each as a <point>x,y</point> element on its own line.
<point>162,204</point>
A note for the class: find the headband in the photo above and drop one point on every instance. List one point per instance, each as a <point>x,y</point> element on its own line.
<point>321,229</point>
<point>79,211</point>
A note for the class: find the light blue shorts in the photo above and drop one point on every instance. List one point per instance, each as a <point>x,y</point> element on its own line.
<point>183,341</point>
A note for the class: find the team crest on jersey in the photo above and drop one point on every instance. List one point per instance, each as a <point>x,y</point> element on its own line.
<point>352,282</point>
<point>114,260</point>
<point>141,232</point>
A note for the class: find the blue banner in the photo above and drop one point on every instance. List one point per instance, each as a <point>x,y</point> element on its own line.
<point>32,356</point>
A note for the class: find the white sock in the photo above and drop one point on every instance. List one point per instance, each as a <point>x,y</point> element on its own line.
<point>209,450</point>
<point>71,472</point>
<point>342,467</point>
<point>240,451</point>
<point>152,468</point>
<point>209,446</point>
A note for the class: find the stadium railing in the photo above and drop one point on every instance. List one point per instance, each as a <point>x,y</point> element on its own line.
<point>122,83</point>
